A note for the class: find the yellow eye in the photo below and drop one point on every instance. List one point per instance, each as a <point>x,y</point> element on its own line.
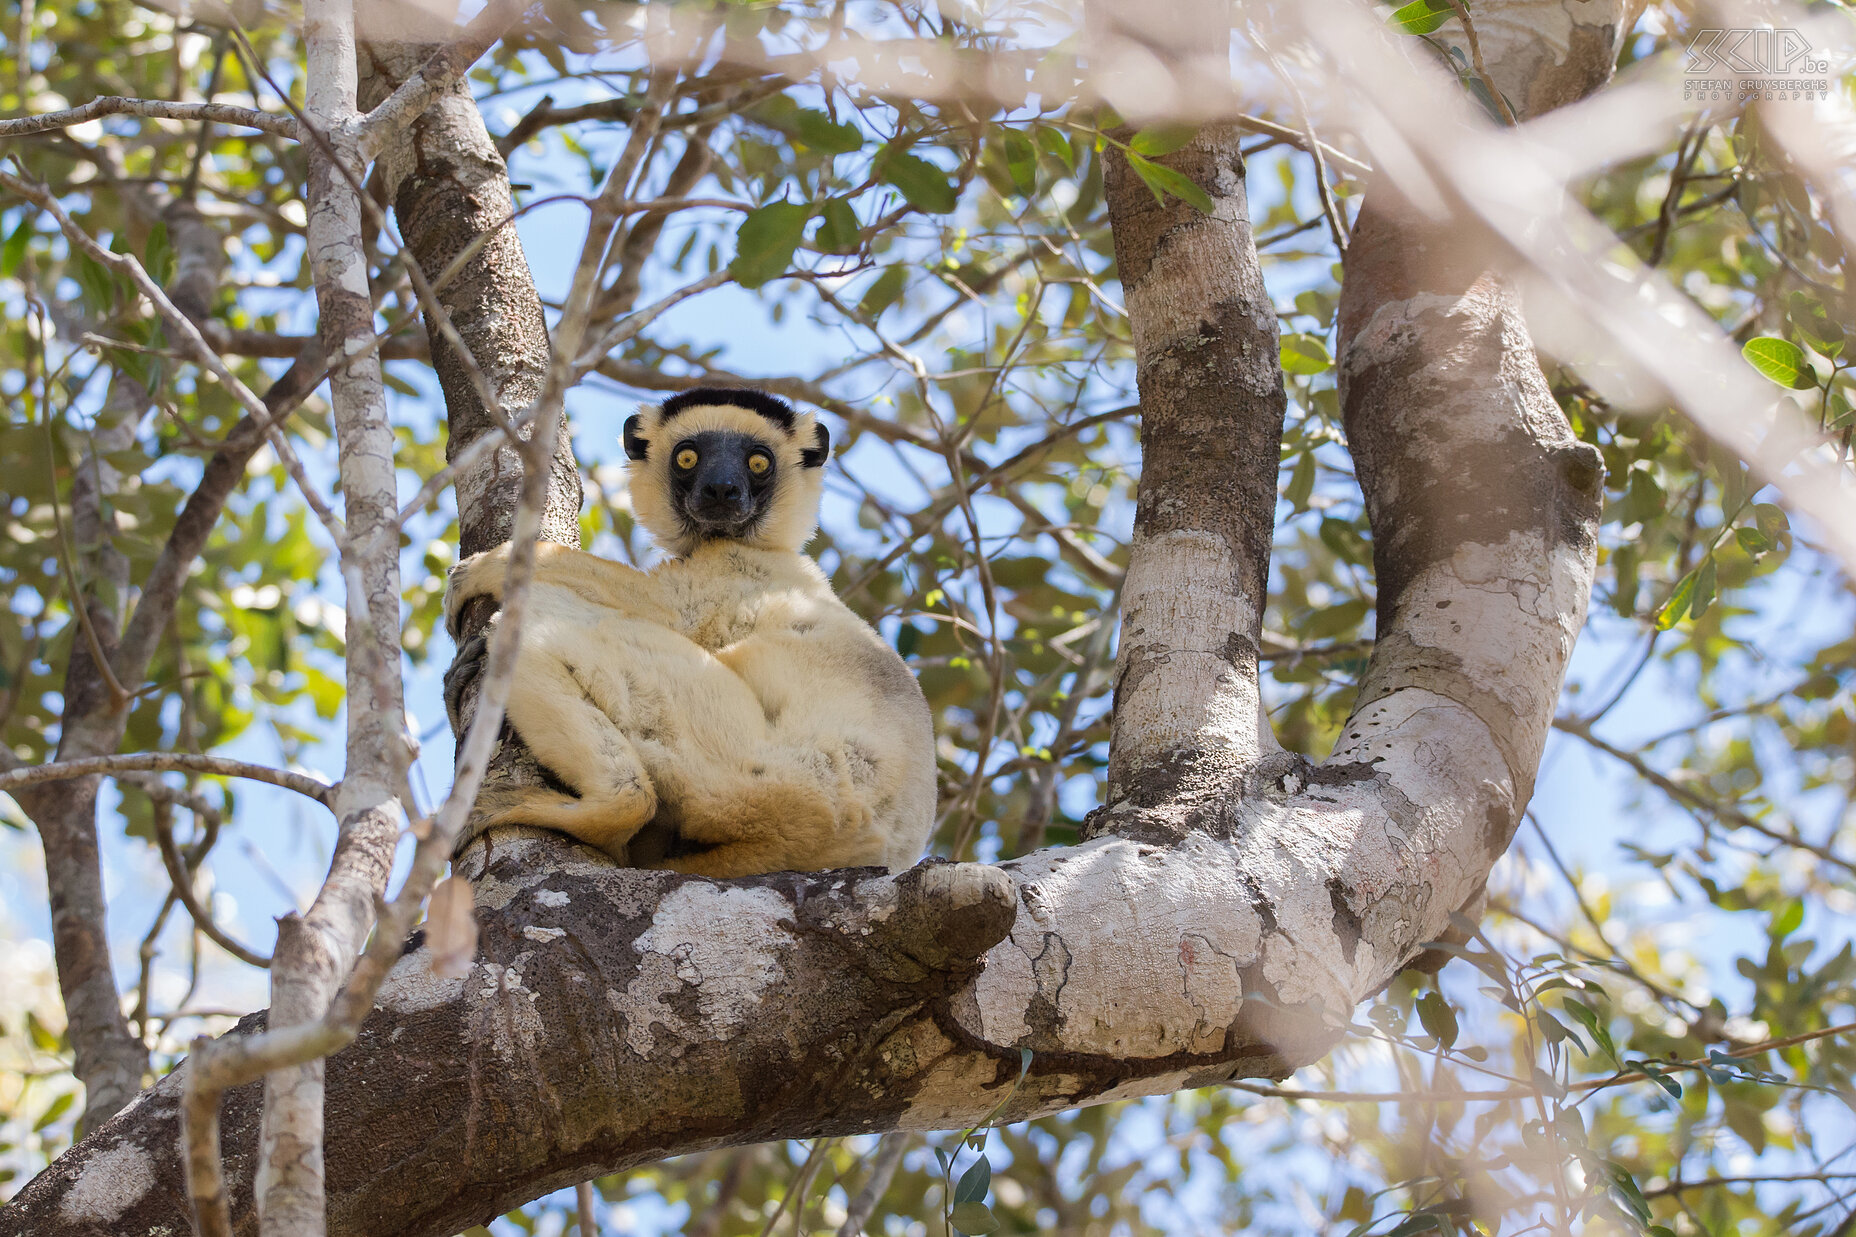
<point>686,458</point>
<point>758,464</point>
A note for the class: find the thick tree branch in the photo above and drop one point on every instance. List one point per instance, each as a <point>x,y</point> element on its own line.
<point>1188,713</point>
<point>443,69</point>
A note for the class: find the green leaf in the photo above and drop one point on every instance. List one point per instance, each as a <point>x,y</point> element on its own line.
<point>1055,143</point>
<point>1335,620</point>
<point>1162,139</point>
<point>924,185</point>
<point>1752,541</point>
<point>54,1110</point>
<point>15,248</point>
<point>1304,354</point>
<point>95,282</point>
<point>1661,1079</point>
<point>973,1184</point>
<point>885,290</point>
<point>1819,329</point>
<point>41,1035</point>
<point>158,255</point>
<point>840,232</point>
<point>1163,180</point>
<point>1772,522</point>
<point>1301,483</point>
<point>1678,602</point>
<point>816,130</point>
<point>1788,920</point>
<point>1704,589</point>
<point>1438,1018</point>
<point>1588,1018</point>
<point>975,1219</point>
<point>1624,1187</point>
<point>764,245</point>
<point>1780,361</point>
<point>1422,16</point>
<point>1021,161</point>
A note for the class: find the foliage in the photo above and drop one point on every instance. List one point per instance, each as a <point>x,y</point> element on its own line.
<point>940,276</point>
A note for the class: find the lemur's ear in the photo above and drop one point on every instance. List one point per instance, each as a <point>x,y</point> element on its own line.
<point>636,448</point>
<point>816,455</point>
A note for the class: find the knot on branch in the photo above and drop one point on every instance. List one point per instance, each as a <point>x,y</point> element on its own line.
<point>937,917</point>
<point>1582,467</point>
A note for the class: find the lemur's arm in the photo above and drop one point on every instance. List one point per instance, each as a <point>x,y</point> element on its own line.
<point>598,580</point>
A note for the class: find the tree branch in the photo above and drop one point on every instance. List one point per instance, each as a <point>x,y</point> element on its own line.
<point>179,762</point>
<point>153,109</point>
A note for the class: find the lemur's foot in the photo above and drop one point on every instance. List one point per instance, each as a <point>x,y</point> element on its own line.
<point>606,823</point>
<point>466,668</point>
<point>480,575</point>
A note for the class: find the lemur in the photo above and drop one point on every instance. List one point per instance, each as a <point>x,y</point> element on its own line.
<point>727,699</point>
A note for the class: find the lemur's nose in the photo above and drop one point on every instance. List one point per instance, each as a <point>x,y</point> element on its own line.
<point>721,492</point>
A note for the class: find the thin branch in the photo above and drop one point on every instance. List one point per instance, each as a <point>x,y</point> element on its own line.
<point>883,1164</point>
<point>1733,817</point>
<point>1524,1093</point>
<point>152,109</point>
<point>583,1207</point>
<point>1475,57</point>
<point>1708,1183</point>
<point>178,762</point>
<point>182,880</point>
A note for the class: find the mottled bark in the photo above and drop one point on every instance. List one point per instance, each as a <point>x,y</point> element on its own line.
<point>1187,709</point>
<point>316,952</point>
<point>109,1059</point>
<point>1436,369</point>
<point>1547,53</point>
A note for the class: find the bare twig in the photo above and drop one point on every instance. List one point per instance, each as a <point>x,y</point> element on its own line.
<point>583,1208</point>
<point>1475,58</point>
<point>179,762</point>
<point>182,880</point>
<point>152,109</point>
<point>888,1155</point>
<point>189,334</point>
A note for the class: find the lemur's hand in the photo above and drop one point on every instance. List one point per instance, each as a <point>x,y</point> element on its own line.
<point>480,575</point>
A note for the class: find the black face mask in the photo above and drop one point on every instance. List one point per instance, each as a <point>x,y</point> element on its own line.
<point>720,481</point>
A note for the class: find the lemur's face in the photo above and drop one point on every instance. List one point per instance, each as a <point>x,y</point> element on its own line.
<point>721,482</point>
<point>715,465</point>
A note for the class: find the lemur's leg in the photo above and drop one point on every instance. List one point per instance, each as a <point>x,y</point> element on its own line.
<point>779,841</point>
<point>755,806</point>
<point>572,721</point>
